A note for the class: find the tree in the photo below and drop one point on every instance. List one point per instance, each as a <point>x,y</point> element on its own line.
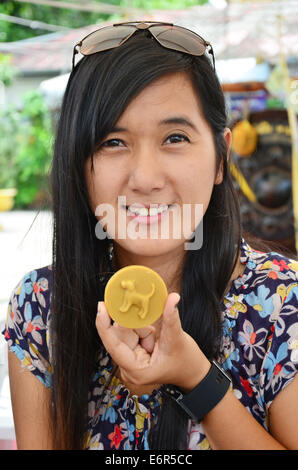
<point>72,18</point>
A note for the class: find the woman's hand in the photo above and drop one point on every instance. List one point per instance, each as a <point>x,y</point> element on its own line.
<point>148,356</point>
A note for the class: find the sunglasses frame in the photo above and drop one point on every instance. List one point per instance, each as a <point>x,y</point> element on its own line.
<point>143,25</point>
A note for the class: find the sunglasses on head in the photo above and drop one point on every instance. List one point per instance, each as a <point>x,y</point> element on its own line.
<point>167,35</point>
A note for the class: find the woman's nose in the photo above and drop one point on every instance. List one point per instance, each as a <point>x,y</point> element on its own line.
<point>146,171</point>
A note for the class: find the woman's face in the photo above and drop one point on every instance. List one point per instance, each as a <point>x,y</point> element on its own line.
<point>160,158</point>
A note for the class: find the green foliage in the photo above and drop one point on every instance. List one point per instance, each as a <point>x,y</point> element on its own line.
<point>74,18</point>
<point>55,16</point>
<point>163,4</point>
<point>7,70</point>
<point>26,150</point>
<point>9,127</point>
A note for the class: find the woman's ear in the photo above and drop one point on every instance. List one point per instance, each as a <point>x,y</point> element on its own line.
<point>227,134</point>
<point>228,138</point>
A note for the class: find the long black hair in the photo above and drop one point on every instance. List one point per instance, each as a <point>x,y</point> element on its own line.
<point>99,90</point>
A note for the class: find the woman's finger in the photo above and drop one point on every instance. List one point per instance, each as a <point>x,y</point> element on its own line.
<point>120,352</point>
<point>146,337</point>
<point>127,335</point>
<point>171,325</point>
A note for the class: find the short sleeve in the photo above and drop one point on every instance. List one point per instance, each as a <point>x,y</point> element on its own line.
<point>280,364</point>
<point>27,324</point>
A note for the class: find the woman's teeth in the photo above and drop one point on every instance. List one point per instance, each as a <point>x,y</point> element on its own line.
<point>145,212</point>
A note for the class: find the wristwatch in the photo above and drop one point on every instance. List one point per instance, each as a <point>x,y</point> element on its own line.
<point>205,395</point>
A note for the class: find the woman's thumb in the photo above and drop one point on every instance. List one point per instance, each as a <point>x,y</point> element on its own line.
<point>103,320</point>
<point>171,321</point>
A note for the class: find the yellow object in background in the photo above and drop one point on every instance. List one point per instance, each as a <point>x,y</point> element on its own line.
<point>7,199</point>
<point>245,138</point>
<point>243,184</point>
<point>135,296</point>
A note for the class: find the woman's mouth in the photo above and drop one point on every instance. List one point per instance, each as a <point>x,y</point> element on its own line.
<point>148,215</point>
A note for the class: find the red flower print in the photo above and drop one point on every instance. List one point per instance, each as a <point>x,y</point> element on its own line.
<point>282,264</point>
<point>252,338</point>
<point>247,387</point>
<point>30,327</point>
<point>116,437</point>
<point>272,275</point>
<point>35,287</point>
<point>277,369</point>
<point>272,329</point>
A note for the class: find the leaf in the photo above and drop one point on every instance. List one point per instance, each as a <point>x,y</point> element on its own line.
<point>28,312</point>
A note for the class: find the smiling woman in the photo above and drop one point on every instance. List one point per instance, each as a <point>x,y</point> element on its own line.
<point>142,136</point>
<point>165,161</point>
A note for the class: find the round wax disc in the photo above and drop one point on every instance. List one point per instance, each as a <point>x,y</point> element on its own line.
<point>135,296</point>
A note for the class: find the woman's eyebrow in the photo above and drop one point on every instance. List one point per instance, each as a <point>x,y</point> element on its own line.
<point>178,120</point>
<point>117,129</point>
<point>182,121</point>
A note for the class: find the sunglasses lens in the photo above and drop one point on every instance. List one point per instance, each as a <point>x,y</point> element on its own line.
<point>179,39</point>
<point>105,38</point>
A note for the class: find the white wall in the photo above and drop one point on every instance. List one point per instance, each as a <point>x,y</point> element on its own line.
<point>13,93</point>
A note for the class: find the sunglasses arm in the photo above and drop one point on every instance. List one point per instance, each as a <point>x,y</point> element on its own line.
<point>211,52</point>
<point>75,51</point>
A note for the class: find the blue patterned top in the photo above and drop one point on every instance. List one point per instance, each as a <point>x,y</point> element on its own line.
<point>259,350</point>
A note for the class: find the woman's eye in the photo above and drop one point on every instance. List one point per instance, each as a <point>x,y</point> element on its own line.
<point>177,138</point>
<point>112,143</point>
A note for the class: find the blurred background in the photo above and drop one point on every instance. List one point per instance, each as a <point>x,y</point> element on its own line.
<point>256,51</point>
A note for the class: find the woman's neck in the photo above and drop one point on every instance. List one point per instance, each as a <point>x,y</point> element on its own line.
<point>168,266</point>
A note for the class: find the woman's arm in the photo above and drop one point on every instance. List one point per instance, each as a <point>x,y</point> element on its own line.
<point>30,404</point>
<point>283,415</point>
<point>230,426</point>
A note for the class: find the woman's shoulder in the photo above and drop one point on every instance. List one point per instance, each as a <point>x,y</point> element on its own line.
<point>260,317</point>
<point>28,320</point>
<point>34,286</point>
<point>32,294</point>
<point>268,283</point>
<point>268,267</point>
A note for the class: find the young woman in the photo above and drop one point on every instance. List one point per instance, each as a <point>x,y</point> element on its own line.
<point>144,118</point>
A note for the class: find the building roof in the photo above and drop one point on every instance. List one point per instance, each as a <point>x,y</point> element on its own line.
<point>240,30</point>
<point>249,29</point>
<point>49,53</point>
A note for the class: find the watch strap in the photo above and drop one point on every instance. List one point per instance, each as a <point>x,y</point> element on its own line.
<point>206,395</point>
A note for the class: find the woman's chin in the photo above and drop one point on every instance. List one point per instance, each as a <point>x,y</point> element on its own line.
<point>151,247</point>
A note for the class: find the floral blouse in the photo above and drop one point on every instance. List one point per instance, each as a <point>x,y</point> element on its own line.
<point>259,350</point>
